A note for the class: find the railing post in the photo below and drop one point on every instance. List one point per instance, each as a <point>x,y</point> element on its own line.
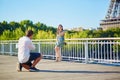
<point>86,52</point>
<point>11,49</point>
<point>60,53</point>
<point>39,47</point>
<point>2,48</point>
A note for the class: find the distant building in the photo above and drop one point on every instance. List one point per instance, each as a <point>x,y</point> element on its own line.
<point>77,29</point>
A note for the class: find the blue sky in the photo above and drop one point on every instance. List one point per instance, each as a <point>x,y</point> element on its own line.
<point>69,13</point>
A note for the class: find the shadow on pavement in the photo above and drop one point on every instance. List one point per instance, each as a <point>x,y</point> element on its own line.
<point>63,71</point>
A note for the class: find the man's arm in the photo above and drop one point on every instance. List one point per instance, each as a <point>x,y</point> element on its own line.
<point>31,46</point>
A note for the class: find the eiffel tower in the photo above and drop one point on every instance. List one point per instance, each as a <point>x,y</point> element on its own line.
<point>112,19</point>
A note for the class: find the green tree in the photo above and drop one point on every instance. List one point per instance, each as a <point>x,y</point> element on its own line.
<point>17,34</point>
<point>6,35</point>
<point>13,25</point>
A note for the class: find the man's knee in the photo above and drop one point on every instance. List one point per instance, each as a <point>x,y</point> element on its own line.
<point>41,56</point>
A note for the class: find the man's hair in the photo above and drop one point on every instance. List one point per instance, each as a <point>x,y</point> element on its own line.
<point>29,33</point>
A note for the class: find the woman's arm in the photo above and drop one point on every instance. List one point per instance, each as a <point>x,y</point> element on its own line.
<point>62,33</point>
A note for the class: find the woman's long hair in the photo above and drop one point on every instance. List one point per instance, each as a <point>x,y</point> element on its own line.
<point>58,30</point>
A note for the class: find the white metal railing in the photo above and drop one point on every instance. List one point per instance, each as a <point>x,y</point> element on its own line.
<point>100,50</point>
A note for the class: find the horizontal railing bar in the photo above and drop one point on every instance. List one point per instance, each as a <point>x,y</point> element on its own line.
<point>117,38</point>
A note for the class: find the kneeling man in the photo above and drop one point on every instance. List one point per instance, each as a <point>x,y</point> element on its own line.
<point>27,59</point>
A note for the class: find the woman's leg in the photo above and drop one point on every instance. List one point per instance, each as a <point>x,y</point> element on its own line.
<point>58,53</point>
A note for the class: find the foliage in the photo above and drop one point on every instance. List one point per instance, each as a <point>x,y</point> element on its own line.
<point>14,30</point>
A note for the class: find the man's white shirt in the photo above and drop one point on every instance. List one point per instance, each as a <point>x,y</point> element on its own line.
<point>24,46</point>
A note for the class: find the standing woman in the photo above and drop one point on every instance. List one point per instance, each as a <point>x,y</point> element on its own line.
<point>60,42</point>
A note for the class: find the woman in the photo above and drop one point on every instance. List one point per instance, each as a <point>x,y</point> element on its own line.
<point>60,42</point>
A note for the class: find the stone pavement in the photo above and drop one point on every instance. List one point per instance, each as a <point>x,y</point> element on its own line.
<point>51,70</point>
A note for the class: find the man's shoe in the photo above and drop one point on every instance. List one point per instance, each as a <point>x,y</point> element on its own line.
<point>36,69</point>
<point>19,67</point>
<point>32,69</point>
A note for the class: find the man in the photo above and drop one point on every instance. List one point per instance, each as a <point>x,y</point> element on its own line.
<point>25,57</point>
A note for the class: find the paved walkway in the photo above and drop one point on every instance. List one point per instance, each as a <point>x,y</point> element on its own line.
<point>51,70</point>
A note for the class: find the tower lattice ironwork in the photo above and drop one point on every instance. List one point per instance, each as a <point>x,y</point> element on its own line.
<point>112,19</point>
